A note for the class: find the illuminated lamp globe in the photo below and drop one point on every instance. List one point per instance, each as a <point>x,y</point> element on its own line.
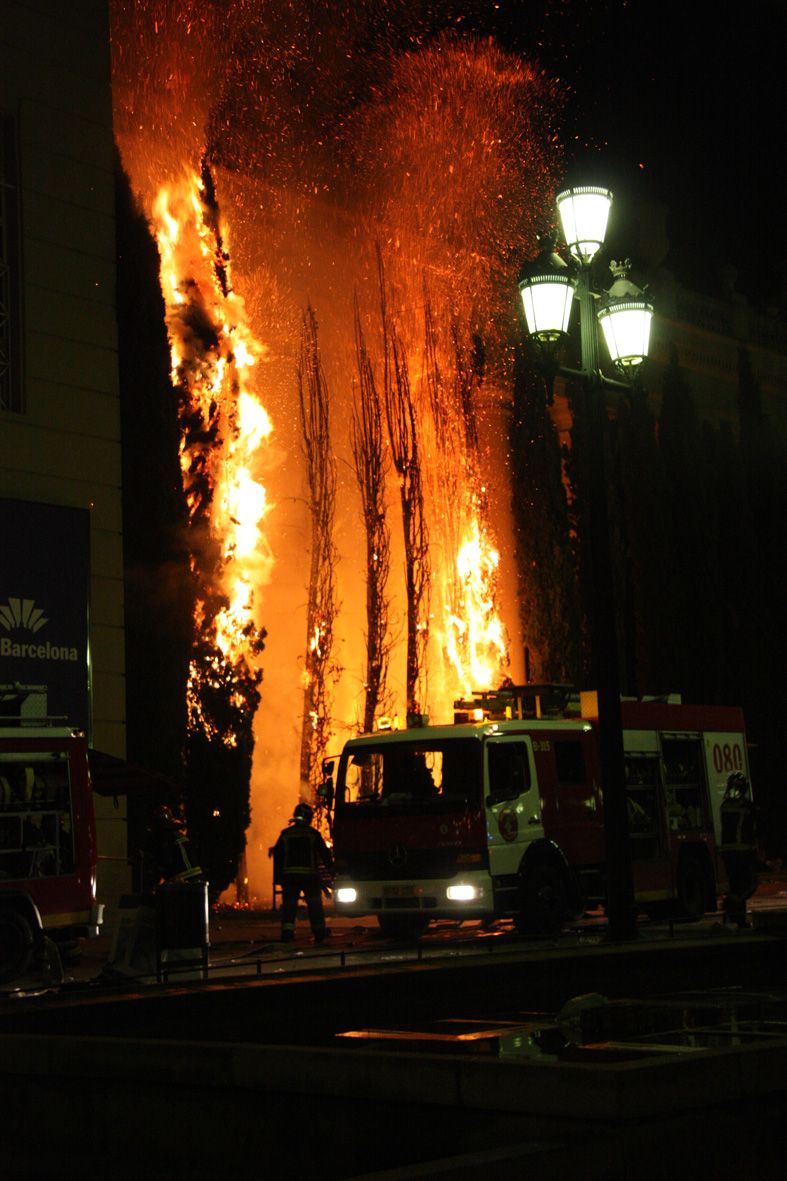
<point>547,297</point>
<point>584,212</point>
<point>626,326</point>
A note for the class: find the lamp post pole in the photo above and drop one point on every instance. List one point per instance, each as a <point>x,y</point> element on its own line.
<point>621,909</point>
<point>626,301</point>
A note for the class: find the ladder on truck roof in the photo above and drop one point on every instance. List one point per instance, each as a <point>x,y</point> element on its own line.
<point>547,700</point>
<point>515,702</point>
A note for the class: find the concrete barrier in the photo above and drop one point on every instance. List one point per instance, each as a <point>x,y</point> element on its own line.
<point>207,1110</point>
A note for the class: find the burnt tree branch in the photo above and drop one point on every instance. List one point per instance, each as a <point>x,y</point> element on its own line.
<point>322,608</point>
<point>371,466</point>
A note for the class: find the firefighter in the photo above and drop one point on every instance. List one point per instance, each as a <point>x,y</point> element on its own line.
<point>738,847</point>
<point>300,856</point>
<point>167,855</point>
<point>163,857</point>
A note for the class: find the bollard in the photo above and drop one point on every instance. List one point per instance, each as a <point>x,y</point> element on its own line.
<point>182,930</point>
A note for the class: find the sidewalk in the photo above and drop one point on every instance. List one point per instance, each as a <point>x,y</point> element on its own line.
<point>233,931</point>
<point>236,932</point>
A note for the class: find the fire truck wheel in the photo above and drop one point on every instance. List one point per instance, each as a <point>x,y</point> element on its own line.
<point>17,944</point>
<point>399,926</point>
<point>544,901</point>
<point>692,888</point>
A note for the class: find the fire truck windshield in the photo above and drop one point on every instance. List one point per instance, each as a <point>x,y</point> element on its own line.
<point>424,775</point>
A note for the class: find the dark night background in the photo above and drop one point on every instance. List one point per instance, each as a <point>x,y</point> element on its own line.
<point>675,103</point>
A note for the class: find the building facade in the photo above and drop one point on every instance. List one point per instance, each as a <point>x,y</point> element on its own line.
<point>61,565</point>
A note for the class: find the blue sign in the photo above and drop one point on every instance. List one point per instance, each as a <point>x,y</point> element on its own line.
<point>44,596</point>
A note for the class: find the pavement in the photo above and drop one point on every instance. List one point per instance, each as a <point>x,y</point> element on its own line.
<point>405,1069</point>
<point>246,940</point>
<point>246,933</point>
<point>419,1060</point>
<point>233,932</point>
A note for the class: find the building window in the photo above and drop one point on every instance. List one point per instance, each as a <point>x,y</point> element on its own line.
<point>10,301</point>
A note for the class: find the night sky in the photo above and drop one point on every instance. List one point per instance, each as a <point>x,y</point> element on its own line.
<point>678,103</point>
<point>675,104</point>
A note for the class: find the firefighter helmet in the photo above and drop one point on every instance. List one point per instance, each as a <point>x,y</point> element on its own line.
<point>303,813</point>
<point>737,787</point>
<point>163,818</point>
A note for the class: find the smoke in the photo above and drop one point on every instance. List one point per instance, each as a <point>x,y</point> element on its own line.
<point>335,130</point>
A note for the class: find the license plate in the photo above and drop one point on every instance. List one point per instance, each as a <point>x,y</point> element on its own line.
<point>398,891</point>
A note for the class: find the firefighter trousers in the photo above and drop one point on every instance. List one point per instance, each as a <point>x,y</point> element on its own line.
<point>292,886</point>
<point>741,870</point>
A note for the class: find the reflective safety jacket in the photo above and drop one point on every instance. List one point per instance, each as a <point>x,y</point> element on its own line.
<point>300,849</point>
<point>168,856</point>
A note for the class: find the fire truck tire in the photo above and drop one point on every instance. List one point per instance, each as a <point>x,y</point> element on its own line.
<point>17,944</point>
<point>692,888</point>
<point>399,926</point>
<point>544,901</point>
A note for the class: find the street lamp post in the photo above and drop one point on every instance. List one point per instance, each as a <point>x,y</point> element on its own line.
<point>548,288</point>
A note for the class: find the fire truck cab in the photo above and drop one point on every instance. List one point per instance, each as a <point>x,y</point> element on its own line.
<point>501,814</point>
<point>47,843</point>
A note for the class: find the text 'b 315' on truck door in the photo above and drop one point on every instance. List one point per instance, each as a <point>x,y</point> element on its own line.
<point>513,806</point>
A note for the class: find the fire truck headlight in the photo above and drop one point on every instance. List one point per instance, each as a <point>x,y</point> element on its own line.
<point>461,893</point>
<point>346,894</point>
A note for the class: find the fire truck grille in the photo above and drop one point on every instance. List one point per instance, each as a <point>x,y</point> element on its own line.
<point>417,902</point>
<point>401,863</point>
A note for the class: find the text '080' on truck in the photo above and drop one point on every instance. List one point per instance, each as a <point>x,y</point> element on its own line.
<point>48,855</point>
<point>500,815</point>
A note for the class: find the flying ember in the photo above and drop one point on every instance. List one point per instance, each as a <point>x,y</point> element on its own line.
<point>380,176</point>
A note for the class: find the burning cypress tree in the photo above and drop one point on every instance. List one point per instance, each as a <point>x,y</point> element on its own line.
<point>449,478</point>
<point>400,417</point>
<point>221,424</point>
<point>754,572</point>
<point>545,550</point>
<point>219,749</point>
<point>371,465</point>
<point>448,481</point>
<point>322,606</point>
<point>469,373</point>
<point>641,510</point>
<point>698,656</point>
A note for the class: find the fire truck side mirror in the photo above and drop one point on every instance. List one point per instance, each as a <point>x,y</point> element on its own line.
<point>325,790</point>
<point>325,793</point>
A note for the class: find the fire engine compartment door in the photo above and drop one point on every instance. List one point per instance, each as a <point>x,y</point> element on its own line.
<point>685,787</point>
<point>36,821</point>
<point>645,807</point>
<point>513,804</point>
<point>725,752</point>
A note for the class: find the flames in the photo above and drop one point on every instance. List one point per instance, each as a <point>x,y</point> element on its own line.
<point>330,135</point>
<point>215,356</point>
<point>476,642</point>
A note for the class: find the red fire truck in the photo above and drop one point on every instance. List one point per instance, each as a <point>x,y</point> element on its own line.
<point>501,814</point>
<point>47,843</point>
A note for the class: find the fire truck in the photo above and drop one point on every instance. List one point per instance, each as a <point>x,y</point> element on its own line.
<point>48,851</point>
<point>500,815</point>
